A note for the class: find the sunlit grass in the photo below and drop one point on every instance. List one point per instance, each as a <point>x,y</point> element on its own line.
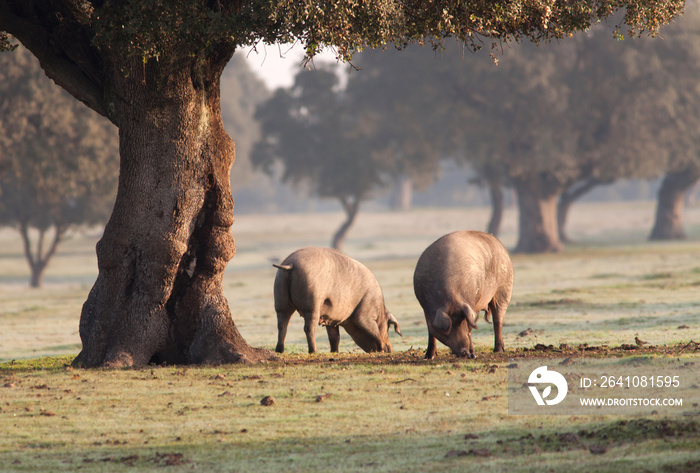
<point>338,413</point>
<point>351,411</point>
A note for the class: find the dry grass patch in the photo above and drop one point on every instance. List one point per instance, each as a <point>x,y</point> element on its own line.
<point>342,412</point>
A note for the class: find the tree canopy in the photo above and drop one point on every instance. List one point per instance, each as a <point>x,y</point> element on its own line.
<point>154,29</point>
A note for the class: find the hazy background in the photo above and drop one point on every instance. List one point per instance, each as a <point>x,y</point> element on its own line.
<point>276,66</point>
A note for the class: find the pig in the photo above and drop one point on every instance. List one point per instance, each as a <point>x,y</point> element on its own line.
<point>329,288</point>
<point>456,277</point>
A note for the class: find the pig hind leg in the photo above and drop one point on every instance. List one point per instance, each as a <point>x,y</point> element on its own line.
<point>311,319</point>
<point>334,337</point>
<point>283,318</point>
<point>498,314</point>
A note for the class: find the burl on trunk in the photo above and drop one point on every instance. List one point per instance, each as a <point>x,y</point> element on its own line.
<point>159,296</point>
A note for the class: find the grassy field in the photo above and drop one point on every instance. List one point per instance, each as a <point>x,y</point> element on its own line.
<point>355,411</point>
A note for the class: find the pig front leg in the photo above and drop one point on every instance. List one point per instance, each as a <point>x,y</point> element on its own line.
<point>472,354</point>
<point>430,352</point>
<point>365,334</point>
<point>499,315</point>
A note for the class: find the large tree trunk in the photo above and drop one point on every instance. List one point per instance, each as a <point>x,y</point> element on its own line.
<point>351,207</point>
<point>566,200</point>
<point>159,296</point>
<point>497,200</point>
<point>537,207</point>
<point>670,203</point>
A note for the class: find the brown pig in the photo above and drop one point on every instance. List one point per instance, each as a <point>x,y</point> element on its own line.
<point>456,277</point>
<point>329,288</point>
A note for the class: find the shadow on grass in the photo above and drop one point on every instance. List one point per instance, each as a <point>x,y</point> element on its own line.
<point>635,445</point>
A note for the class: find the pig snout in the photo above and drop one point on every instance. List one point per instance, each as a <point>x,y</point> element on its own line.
<point>465,352</point>
<point>462,353</point>
<point>371,344</point>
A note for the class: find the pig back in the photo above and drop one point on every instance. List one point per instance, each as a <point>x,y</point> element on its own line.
<point>463,267</point>
<point>327,280</point>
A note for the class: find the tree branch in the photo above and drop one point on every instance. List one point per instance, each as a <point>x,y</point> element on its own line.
<point>351,207</point>
<point>40,248</point>
<point>62,48</point>
<point>24,231</point>
<point>58,236</point>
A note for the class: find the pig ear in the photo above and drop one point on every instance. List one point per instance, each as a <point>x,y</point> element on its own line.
<point>394,322</point>
<point>470,315</point>
<point>442,321</point>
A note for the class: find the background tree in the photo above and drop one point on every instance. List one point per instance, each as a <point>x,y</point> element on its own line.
<point>323,141</point>
<point>59,160</point>
<point>510,123</point>
<point>615,109</point>
<point>676,127</point>
<point>153,69</point>
<point>637,107</point>
<point>400,98</point>
<point>668,221</point>
<point>610,144</point>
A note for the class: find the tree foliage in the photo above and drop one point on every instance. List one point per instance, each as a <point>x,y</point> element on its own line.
<point>147,28</point>
<point>152,29</point>
<point>323,140</point>
<point>408,126</point>
<point>59,159</point>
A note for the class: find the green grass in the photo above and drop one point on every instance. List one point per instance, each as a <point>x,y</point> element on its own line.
<point>330,413</point>
<point>354,411</point>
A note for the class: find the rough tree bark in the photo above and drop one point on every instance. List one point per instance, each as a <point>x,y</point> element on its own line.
<point>351,205</point>
<point>670,203</point>
<point>537,208</point>
<point>497,201</point>
<point>159,296</point>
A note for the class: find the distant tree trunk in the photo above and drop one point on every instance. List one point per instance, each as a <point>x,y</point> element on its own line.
<point>351,207</point>
<point>403,196</point>
<point>670,204</point>
<point>570,195</point>
<point>159,293</point>
<point>537,207</point>
<point>497,200</point>
<point>38,259</point>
